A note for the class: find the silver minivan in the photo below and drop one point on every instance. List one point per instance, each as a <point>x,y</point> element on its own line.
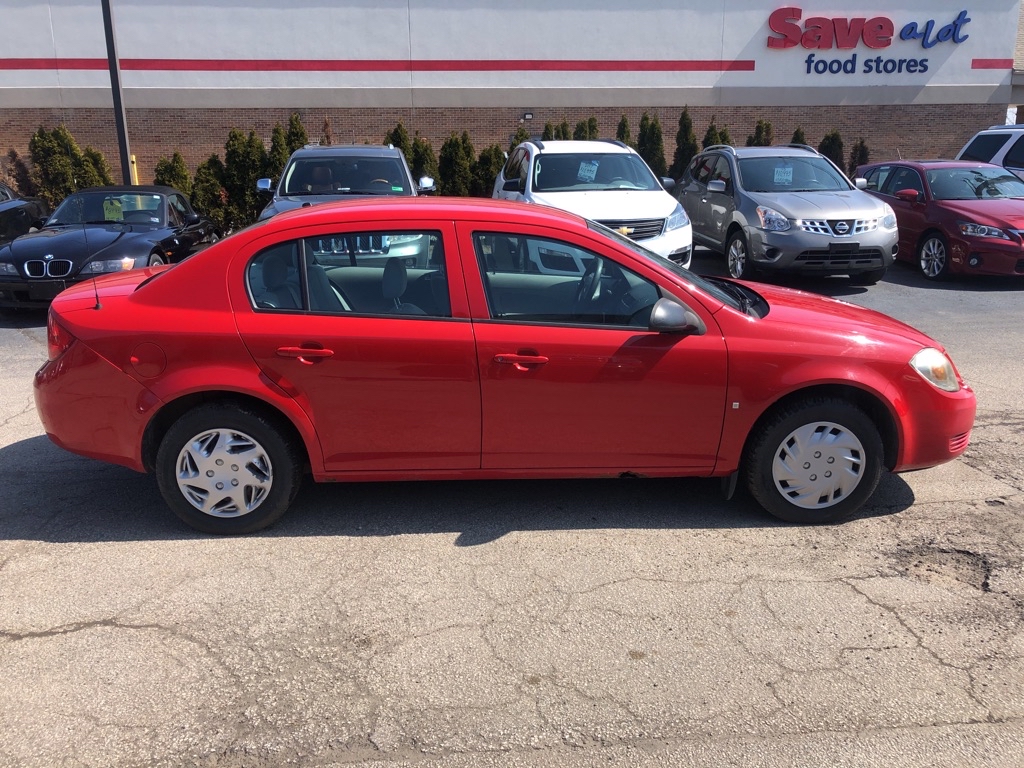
<point>786,209</point>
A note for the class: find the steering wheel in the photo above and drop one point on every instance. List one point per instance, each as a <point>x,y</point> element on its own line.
<point>590,284</point>
<point>380,181</point>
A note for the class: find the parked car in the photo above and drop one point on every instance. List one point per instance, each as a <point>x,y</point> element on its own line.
<point>19,215</point>
<point>604,181</point>
<point>786,209</point>
<point>233,373</point>
<point>954,217</point>
<point>1000,145</point>
<point>97,231</point>
<point>319,173</point>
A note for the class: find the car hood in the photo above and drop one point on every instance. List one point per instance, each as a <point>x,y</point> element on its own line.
<point>822,205</point>
<point>1003,212</point>
<point>612,204</point>
<point>861,327</point>
<point>76,243</point>
<point>291,202</point>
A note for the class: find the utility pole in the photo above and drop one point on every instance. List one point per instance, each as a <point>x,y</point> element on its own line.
<point>120,123</point>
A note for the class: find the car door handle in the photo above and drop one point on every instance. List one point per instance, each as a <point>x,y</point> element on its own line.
<point>520,362</point>
<point>305,355</point>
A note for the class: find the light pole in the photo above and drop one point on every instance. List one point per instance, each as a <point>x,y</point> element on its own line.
<point>120,123</point>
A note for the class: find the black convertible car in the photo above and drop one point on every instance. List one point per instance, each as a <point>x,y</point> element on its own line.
<point>19,215</point>
<point>98,231</point>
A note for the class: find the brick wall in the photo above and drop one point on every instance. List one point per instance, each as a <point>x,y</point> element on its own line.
<point>922,131</point>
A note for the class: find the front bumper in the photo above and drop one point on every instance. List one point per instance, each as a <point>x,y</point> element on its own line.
<point>798,251</point>
<point>985,257</point>
<point>32,293</point>
<point>675,245</point>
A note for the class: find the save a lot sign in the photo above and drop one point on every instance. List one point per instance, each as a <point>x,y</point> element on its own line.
<point>821,36</point>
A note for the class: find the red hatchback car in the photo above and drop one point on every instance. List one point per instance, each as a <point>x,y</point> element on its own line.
<point>396,340</point>
<point>954,217</point>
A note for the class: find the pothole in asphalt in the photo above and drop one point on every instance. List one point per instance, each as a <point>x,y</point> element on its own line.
<point>934,564</point>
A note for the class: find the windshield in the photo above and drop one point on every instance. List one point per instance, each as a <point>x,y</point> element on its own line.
<point>591,171</point>
<point>345,176</point>
<point>791,174</point>
<point>110,208</point>
<point>973,184</point>
<point>683,272</point>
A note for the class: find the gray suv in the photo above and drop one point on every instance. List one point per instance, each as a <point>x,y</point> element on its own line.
<point>788,209</point>
<point>318,173</point>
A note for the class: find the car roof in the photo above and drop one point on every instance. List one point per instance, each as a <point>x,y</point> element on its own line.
<point>347,150</point>
<point>568,146</point>
<point>923,165</point>
<point>781,150</point>
<point>387,209</point>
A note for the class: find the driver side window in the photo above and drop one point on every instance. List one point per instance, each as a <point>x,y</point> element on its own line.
<point>539,280</point>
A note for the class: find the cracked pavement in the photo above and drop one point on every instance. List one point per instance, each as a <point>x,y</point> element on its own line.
<point>549,623</point>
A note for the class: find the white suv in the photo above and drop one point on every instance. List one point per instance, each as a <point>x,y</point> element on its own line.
<point>604,181</point>
<point>1000,145</point>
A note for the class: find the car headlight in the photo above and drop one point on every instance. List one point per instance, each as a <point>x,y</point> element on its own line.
<point>936,368</point>
<point>889,217</point>
<point>108,265</point>
<point>972,229</point>
<point>7,268</point>
<point>677,219</point>
<point>772,220</point>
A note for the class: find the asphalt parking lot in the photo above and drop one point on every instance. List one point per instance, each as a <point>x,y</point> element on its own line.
<point>554,623</point>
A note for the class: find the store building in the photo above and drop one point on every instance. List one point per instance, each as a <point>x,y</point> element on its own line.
<point>911,77</point>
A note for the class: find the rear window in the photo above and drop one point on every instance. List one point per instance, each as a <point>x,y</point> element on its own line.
<point>984,147</point>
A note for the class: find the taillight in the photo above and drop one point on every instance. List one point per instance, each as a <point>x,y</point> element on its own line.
<point>58,339</point>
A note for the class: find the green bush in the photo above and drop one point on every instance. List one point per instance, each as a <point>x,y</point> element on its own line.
<point>519,137</point>
<point>549,132</point>
<point>424,162</point>
<point>486,170</point>
<point>832,147</point>
<point>686,145</point>
<point>650,144</point>
<point>17,174</point>
<point>711,136</point>
<point>245,159</point>
<point>399,138</point>
<point>455,166</point>
<point>297,137</point>
<point>764,135</point>
<point>59,167</point>
<point>277,157</point>
<point>859,156</point>
<point>623,133</point>
<point>173,173</point>
<point>562,132</point>
<point>208,193</point>
<point>798,137</point>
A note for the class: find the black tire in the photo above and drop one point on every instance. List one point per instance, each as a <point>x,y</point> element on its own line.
<point>933,256</point>
<point>266,482</point>
<point>155,260</point>
<point>789,463</point>
<point>737,257</point>
<point>868,278</point>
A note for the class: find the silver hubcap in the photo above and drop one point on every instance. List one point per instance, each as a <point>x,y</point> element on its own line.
<point>933,257</point>
<point>224,473</point>
<point>737,258</point>
<point>818,465</point>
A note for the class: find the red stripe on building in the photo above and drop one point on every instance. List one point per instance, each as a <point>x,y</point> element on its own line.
<point>384,65</point>
<point>991,63</point>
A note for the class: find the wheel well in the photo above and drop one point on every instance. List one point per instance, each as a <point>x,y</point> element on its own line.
<point>925,234</point>
<point>170,413</point>
<point>865,401</point>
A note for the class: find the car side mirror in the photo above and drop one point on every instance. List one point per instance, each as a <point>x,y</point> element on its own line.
<point>668,183</point>
<point>263,185</point>
<point>426,186</point>
<point>908,195</point>
<point>191,218</point>
<point>716,186</point>
<point>512,185</point>
<point>860,183</point>
<point>669,316</point>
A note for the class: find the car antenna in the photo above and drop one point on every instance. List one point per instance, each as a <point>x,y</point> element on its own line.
<point>96,291</point>
<point>899,156</point>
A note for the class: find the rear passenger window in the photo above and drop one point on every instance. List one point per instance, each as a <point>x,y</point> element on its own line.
<point>984,147</point>
<point>361,273</point>
<point>876,178</point>
<point>1015,157</point>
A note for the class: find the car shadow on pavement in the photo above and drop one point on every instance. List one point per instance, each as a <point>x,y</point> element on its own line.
<point>55,496</point>
<point>22,318</point>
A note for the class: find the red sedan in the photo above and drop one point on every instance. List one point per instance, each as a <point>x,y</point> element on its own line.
<point>442,339</point>
<point>954,217</point>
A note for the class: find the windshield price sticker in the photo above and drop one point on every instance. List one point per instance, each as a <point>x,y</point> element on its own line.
<point>587,171</point>
<point>784,175</point>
